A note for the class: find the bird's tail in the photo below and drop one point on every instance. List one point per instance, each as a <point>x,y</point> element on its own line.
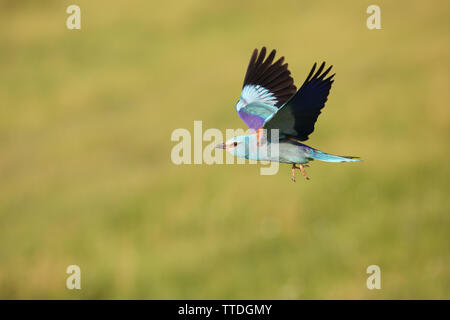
<point>322,156</point>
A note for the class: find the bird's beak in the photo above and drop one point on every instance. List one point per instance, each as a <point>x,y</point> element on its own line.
<point>221,146</point>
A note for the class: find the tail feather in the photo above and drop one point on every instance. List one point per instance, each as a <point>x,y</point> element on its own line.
<point>322,156</point>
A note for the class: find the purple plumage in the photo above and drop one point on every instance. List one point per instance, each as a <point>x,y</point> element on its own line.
<point>253,121</point>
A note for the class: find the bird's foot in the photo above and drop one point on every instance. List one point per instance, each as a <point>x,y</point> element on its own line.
<point>301,168</point>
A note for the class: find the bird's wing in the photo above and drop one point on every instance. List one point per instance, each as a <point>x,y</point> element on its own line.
<point>297,117</point>
<point>267,86</point>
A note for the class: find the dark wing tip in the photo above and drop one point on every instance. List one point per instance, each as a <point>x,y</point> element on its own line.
<point>319,71</point>
<point>307,103</point>
<point>319,75</point>
<point>273,76</point>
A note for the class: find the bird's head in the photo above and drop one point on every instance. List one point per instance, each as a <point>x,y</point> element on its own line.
<point>240,146</point>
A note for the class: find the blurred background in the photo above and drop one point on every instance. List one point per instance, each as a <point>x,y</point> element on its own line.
<point>86,176</point>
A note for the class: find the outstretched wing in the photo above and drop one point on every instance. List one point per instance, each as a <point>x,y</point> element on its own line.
<point>267,86</point>
<point>298,116</point>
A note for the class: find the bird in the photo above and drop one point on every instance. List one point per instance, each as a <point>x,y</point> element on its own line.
<point>270,101</point>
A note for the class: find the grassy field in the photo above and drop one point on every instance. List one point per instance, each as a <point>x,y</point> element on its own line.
<point>86,176</point>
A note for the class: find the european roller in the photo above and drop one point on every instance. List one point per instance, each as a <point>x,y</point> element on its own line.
<point>269,100</point>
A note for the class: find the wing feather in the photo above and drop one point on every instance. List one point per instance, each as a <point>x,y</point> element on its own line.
<point>298,116</point>
<point>266,83</point>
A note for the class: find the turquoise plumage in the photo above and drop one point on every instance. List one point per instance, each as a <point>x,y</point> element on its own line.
<point>270,101</point>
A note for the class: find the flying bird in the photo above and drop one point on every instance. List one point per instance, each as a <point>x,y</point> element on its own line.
<point>270,100</point>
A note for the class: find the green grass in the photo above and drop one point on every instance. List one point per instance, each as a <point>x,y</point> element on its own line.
<point>86,177</point>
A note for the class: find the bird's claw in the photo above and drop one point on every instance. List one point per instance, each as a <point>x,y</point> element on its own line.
<point>301,168</point>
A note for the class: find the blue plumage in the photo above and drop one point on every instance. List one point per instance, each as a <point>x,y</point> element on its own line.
<point>270,101</point>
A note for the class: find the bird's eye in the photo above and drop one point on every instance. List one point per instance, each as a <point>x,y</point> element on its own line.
<point>235,144</point>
